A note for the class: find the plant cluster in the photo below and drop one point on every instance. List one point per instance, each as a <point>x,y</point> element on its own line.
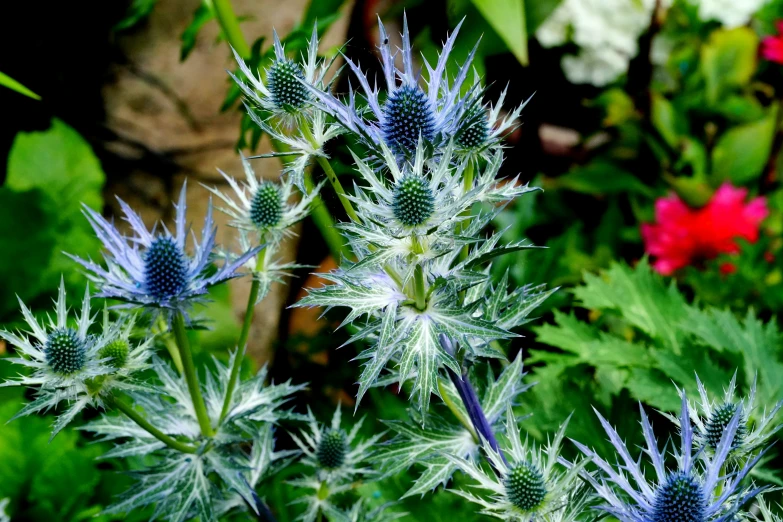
<point>421,304</point>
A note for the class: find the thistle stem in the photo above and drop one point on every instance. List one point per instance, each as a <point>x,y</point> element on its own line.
<point>243,335</point>
<point>178,325</point>
<point>471,401</point>
<point>224,12</point>
<point>419,284</point>
<point>324,222</point>
<point>467,186</point>
<point>168,342</point>
<point>139,419</point>
<point>338,188</point>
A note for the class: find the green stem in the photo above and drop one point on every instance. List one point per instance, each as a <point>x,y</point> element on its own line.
<point>467,186</point>
<point>139,419</point>
<point>419,285</point>
<point>338,188</point>
<point>178,325</point>
<point>224,12</point>
<point>243,335</point>
<point>323,220</point>
<point>168,342</point>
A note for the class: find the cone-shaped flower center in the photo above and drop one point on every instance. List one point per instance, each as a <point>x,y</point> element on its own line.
<point>680,499</point>
<point>165,268</point>
<point>65,353</point>
<point>117,353</point>
<point>525,487</point>
<point>283,81</point>
<point>718,422</point>
<point>407,114</point>
<point>412,201</point>
<point>332,449</point>
<point>473,130</point>
<point>266,208</point>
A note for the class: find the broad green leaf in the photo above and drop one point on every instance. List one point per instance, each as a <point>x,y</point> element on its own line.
<point>599,178</point>
<point>57,171</point>
<point>537,11</point>
<point>669,122</point>
<point>742,152</point>
<point>7,81</point>
<point>507,17</point>
<point>728,60</point>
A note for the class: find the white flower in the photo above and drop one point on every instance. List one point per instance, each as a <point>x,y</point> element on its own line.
<point>607,32</point>
<point>730,13</point>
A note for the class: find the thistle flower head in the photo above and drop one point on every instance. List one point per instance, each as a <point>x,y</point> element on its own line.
<point>115,353</point>
<point>702,489</point>
<point>412,200</point>
<point>263,206</point>
<point>527,482</point>
<point>67,360</point>
<point>711,417</point>
<point>411,110</point>
<point>284,90</point>
<point>407,116</point>
<point>480,127</point>
<point>332,449</point>
<point>335,455</point>
<point>284,81</point>
<point>151,270</point>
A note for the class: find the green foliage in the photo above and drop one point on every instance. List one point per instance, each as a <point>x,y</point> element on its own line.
<point>50,175</point>
<point>10,83</point>
<point>644,334</point>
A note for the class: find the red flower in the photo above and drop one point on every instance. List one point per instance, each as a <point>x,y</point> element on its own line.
<point>772,46</point>
<point>683,236</point>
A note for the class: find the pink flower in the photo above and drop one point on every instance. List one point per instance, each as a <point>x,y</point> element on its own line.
<point>682,236</point>
<point>772,46</point>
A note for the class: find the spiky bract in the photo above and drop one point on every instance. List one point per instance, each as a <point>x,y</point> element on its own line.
<point>711,416</point>
<point>220,474</point>
<point>263,206</point>
<point>527,483</point>
<point>66,361</point>
<point>695,490</point>
<point>151,269</point>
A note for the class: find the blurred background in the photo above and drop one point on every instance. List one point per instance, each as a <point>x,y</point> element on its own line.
<point>653,126</point>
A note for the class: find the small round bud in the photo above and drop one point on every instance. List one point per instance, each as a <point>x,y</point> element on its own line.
<point>407,115</point>
<point>680,499</point>
<point>716,426</point>
<point>332,449</point>
<point>65,353</point>
<point>412,201</point>
<point>525,487</point>
<point>165,268</point>
<point>266,208</point>
<point>474,131</point>
<point>116,352</point>
<point>283,81</point>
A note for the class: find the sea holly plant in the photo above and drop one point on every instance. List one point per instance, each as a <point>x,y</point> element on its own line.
<point>424,313</point>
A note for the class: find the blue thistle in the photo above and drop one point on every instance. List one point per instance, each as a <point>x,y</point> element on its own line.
<point>266,207</point>
<point>679,499</point>
<point>717,423</point>
<point>412,201</point>
<point>152,270</point>
<point>284,81</point>
<point>525,486</point>
<point>407,115</point>
<point>697,490</point>
<point>165,268</point>
<point>65,352</point>
<point>431,110</point>
<point>332,449</point>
